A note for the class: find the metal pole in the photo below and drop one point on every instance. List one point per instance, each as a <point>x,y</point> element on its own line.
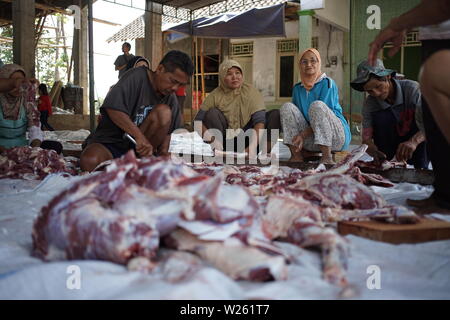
<point>91,68</point>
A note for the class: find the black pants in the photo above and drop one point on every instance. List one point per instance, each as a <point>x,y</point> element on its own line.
<point>387,139</point>
<point>44,121</point>
<point>215,119</point>
<point>52,145</point>
<point>437,145</point>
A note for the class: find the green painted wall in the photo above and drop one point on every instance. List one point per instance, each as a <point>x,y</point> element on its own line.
<point>361,36</point>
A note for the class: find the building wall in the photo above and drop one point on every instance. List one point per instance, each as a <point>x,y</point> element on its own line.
<point>331,44</point>
<point>337,13</point>
<point>69,121</point>
<point>264,67</point>
<point>265,58</point>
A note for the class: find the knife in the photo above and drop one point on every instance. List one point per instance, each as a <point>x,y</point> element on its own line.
<point>126,135</point>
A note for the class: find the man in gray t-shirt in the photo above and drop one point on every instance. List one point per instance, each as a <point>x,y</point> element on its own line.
<point>143,105</point>
<point>122,60</point>
<point>392,115</point>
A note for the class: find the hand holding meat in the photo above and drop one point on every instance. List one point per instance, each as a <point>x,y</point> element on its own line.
<point>35,143</point>
<point>216,145</point>
<point>377,155</point>
<point>18,83</point>
<point>405,151</point>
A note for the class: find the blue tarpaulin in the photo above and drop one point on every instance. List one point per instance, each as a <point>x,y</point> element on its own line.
<point>262,22</point>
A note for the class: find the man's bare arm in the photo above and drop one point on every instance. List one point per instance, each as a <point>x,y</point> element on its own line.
<point>428,12</point>
<point>123,121</point>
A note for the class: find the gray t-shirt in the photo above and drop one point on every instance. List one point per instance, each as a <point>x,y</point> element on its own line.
<point>121,60</point>
<point>134,95</point>
<point>407,97</point>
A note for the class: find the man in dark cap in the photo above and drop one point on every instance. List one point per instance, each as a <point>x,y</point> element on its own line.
<point>433,16</point>
<point>392,115</point>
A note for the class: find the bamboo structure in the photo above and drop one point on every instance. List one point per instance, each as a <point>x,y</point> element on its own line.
<point>202,68</point>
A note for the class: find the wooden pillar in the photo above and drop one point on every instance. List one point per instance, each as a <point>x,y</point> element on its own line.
<point>153,33</point>
<point>139,45</point>
<point>23,14</point>
<point>80,58</point>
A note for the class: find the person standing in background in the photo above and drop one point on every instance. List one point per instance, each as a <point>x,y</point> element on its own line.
<point>44,107</point>
<point>122,60</point>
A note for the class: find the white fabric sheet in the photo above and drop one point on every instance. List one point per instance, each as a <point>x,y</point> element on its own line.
<point>409,271</point>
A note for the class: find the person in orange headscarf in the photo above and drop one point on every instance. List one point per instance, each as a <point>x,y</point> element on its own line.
<point>313,121</point>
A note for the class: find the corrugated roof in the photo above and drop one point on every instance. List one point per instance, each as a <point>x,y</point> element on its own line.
<point>188,4</point>
<point>133,30</point>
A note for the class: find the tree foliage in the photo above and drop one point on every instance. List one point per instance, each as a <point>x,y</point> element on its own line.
<point>45,55</point>
<point>6,48</point>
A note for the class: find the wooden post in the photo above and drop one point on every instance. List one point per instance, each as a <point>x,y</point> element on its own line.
<point>39,28</point>
<point>23,14</point>
<point>220,50</point>
<point>69,69</point>
<point>193,77</point>
<point>65,44</point>
<point>153,33</point>
<point>80,58</point>
<point>202,69</point>
<point>196,71</point>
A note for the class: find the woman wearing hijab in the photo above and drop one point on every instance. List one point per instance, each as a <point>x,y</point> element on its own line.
<point>19,113</point>
<point>235,105</point>
<point>314,121</point>
<point>137,61</point>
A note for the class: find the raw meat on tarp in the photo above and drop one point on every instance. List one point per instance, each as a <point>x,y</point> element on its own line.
<point>300,222</point>
<point>335,191</point>
<point>32,163</point>
<point>120,214</point>
<point>233,257</point>
<point>107,216</point>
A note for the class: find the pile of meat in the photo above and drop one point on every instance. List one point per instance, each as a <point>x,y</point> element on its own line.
<point>32,163</point>
<point>266,180</point>
<point>126,213</point>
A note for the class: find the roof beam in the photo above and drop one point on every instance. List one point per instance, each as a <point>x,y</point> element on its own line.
<point>46,7</point>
